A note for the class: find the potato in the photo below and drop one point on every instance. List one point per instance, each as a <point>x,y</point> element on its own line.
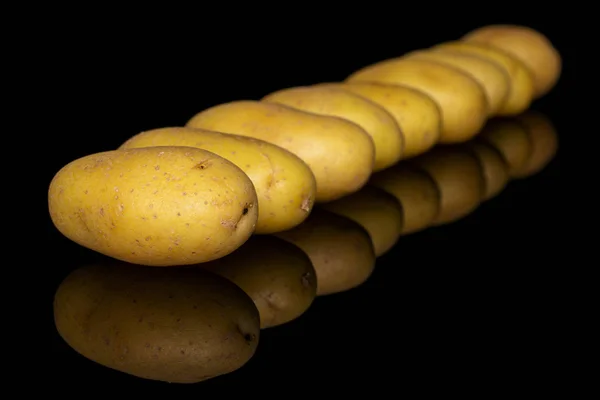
<point>512,140</point>
<point>493,79</point>
<point>493,166</point>
<point>284,184</point>
<point>417,193</point>
<point>277,275</point>
<point>528,45</point>
<point>544,142</point>
<point>157,206</point>
<point>179,325</point>
<point>377,211</point>
<point>375,120</point>
<point>419,117</point>
<point>460,97</point>
<point>459,178</point>
<point>340,250</point>
<point>340,153</point>
<point>521,79</point>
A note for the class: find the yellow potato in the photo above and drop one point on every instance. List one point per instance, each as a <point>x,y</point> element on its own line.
<point>284,184</point>
<point>460,97</point>
<point>493,79</point>
<point>277,275</point>
<point>178,325</point>
<point>377,211</point>
<point>459,178</point>
<point>375,120</point>
<point>340,153</point>
<point>512,140</point>
<point>495,169</point>
<point>157,206</point>
<point>521,79</point>
<point>544,142</point>
<point>417,193</point>
<point>340,250</point>
<point>419,117</point>
<point>528,45</point>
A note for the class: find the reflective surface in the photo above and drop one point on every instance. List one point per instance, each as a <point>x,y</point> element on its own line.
<point>439,260</point>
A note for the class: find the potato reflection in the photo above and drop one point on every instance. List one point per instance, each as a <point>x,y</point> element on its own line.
<point>543,139</point>
<point>511,138</point>
<point>180,325</point>
<point>276,274</point>
<point>340,249</point>
<point>494,168</point>
<point>377,211</point>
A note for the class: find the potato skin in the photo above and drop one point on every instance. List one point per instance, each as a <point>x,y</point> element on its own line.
<point>339,152</point>
<point>277,275</point>
<point>179,325</point>
<point>158,206</point>
<point>285,185</point>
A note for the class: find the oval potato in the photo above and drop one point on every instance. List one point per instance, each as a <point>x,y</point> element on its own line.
<point>521,79</point>
<point>492,78</point>
<point>277,275</point>
<point>417,114</point>
<point>178,325</point>
<point>528,45</point>
<point>416,191</point>
<point>512,140</point>
<point>460,97</point>
<point>285,185</point>
<point>377,211</point>
<point>340,249</point>
<point>374,119</point>
<point>339,152</point>
<point>157,206</point>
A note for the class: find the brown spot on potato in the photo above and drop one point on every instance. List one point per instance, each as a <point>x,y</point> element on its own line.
<point>305,206</point>
<point>306,279</point>
<point>203,164</point>
<point>101,212</point>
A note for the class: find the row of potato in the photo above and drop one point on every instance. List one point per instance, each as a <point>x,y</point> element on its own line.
<point>233,192</point>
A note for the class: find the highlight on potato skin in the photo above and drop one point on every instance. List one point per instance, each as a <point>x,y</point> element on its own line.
<point>178,325</point>
<point>277,275</point>
<point>155,206</point>
<point>285,185</point>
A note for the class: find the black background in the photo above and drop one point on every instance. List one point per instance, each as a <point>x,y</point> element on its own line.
<point>473,301</point>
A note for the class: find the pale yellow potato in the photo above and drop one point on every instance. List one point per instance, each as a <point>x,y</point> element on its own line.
<point>533,48</point>
<point>493,166</point>
<point>379,212</point>
<point>417,114</point>
<point>544,141</point>
<point>459,178</point>
<point>416,191</point>
<point>521,79</point>
<point>340,153</point>
<point>157,206</point>
<point>494,80</point>
<point>374,119</point>
<point>460,97</point>
<point>340,249</point>
<point>511,138</point>
<point>285,185</point>
<point>177,325</point>
<point>277,275</point>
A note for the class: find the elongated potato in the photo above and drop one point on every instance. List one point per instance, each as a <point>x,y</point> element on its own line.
<point>285,185</point>
<point>375,120</point>
<point>377,211</point>
<point>417,114</point>
<point>493,166</point>
<point>460,181</point>
<point>460,97</point>
<point>277,275</point>
<point>521,89</point>
<point>157,206</point>
<point>543,139</point>
<point>528,45</point>
<point>339,152</point>
<point>512,140</point>
<point>416,191</point>
<point>178,325</point>
<point>340,249</point>
<point>492,78</point>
